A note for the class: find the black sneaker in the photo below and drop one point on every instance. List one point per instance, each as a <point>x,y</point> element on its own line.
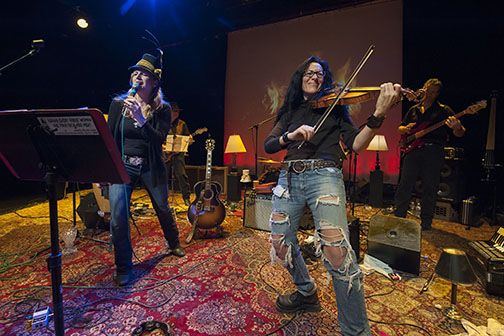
<point>291,303</point>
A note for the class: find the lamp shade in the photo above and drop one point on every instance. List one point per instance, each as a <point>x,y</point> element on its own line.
<point>378,143</point>
<point>235,145</point>
<point>454,266</point>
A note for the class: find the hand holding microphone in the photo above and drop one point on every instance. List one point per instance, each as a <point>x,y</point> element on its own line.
<point>132,106</point>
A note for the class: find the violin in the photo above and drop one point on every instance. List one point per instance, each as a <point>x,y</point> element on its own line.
<point>363,94</point>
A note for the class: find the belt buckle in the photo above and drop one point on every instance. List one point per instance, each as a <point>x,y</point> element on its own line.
<point>135,160</point>
<point>297,169</point>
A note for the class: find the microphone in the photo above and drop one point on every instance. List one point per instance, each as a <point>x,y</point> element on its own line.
<point>131,93</point>
<point>133,90</point>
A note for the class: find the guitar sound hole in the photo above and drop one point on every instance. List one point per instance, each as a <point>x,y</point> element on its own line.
<point>209,194</point>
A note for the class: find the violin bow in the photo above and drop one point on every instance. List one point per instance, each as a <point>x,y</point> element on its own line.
<point>354,74</point>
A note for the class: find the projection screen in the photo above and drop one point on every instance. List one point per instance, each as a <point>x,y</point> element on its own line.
<point>260,61</point>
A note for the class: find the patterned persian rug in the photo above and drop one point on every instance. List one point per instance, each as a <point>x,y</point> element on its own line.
<point>224,286</point>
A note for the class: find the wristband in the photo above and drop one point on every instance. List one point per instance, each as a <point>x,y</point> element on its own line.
<point>285,139</point>
<point>374,121</point>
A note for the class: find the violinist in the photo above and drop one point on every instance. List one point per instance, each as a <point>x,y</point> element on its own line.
<point>312,175</point>
<point>426,160</point>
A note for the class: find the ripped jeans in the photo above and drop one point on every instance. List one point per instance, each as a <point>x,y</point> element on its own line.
<point>324,192</point>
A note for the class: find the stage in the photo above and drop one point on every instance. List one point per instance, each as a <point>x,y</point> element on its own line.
<point>223,286</point>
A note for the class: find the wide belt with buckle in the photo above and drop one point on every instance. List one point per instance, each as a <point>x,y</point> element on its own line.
<point>134,160</point>
<point>300,166</point>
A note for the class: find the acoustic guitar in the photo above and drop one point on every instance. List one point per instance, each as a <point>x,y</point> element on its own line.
<point>207,211</point>
<point>412,140</point>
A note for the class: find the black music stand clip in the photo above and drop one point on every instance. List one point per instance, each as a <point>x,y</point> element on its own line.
<point>59,145</point>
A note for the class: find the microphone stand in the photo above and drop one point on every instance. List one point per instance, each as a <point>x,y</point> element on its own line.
<point>30,53</point>
<point>255,128</point>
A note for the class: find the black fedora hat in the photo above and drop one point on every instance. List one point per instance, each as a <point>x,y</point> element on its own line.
<point>150,63</point>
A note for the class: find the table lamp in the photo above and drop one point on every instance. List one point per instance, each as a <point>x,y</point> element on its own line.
<point>454,266</point>
<point>378,144</point>
<point>234,145</point>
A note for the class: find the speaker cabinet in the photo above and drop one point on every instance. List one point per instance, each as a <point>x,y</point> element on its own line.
<point>234,187</point>
<point>88,211</point>
<point>445,211</point>
<point>376,188</point>
<point>395,241</point>
<point>257,212</point>
<point>451,187</point>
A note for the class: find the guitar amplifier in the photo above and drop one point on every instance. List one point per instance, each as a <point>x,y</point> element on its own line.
<point>487,260</point>
<point>257,212</point>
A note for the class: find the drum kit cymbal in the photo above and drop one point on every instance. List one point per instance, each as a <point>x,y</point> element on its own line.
<point>268,161</point>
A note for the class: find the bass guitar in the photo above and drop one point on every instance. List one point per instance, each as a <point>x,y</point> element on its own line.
<point>207,211</point>
<point>413,139</point>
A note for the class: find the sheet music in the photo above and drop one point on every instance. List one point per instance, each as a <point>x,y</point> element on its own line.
<point>177,143</point>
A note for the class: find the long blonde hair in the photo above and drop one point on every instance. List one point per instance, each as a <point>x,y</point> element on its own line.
<point>155,102</point>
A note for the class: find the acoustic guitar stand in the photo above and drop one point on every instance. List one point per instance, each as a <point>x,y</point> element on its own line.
<point>193,231</point>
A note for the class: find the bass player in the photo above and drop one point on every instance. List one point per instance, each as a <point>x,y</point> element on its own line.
<point>425,159</point>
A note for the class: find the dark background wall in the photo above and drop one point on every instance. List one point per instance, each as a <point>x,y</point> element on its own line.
<point>458,41</point>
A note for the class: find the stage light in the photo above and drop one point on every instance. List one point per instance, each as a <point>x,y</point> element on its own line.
<point>82,23</point>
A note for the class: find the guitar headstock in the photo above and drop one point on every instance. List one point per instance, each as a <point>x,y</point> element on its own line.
<point>476,107</point>
<point>209,144</point>
<point>414,96</point>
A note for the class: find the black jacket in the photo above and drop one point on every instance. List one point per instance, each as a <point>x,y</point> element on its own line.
<point>154,131</point>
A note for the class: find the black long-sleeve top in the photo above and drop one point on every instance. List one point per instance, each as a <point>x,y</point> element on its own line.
<point>325,143</point>
<point>150,136</point>
<point>437,112</point>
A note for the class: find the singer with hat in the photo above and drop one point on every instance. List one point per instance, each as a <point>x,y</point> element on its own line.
<point>140,120</point>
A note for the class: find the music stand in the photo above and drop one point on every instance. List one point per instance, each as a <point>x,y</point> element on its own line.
<point>56,146</point>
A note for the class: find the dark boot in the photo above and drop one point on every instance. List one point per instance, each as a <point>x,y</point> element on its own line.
<point>291,303</point>
<point>123,278</point>
<point>178,251</point>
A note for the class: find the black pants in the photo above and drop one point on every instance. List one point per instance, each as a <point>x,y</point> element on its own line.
<point>424,163</point>
<point>177,164</point>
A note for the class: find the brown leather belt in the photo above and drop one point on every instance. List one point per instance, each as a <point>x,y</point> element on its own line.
<point>300,166</point>
<point>134,160</point>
